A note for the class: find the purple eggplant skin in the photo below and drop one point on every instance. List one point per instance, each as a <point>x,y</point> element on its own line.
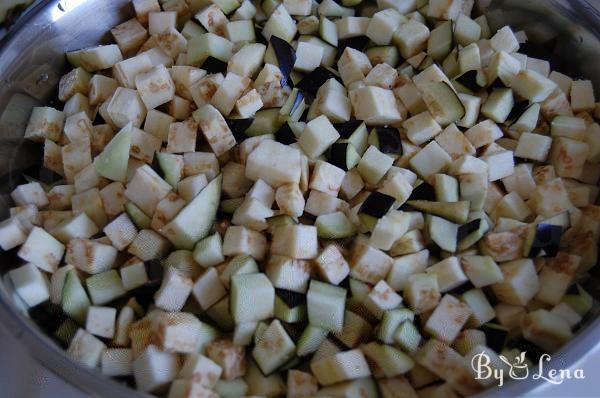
<point>315,79</point>
<point>212,65</point>
<point>286,56</point>
<point>423,192</point>
<point>468,228</point>
<point>547,238</point>
<point>290,298</point>
<point>469,80</point>
<point>389,140</point>
<point>377,204</point>
<point>239,126</point>
<point>285,135</point>
<point>347,128</point>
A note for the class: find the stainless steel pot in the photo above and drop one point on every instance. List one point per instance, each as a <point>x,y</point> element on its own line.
<point>32,61</point>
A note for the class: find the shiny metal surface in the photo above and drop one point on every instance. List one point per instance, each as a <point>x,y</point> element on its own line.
<point>32,61</point>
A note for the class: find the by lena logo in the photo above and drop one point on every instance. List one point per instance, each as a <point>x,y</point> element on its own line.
<point>518,369</point>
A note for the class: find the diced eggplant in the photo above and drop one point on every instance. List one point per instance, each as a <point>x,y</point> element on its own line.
<point>315,79</point>
<point>344,155</point>
<point>453,211</point>
<point>546,238</point>
<point>286,57</point>
<point>387,140</point>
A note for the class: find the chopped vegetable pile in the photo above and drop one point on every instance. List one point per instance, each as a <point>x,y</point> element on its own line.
<point>309,199</point>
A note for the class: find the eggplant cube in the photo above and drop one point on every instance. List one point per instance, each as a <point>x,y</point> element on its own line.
<point>326,178</point>
<point>504,40</point>
<point>568,156</point>
<point>155,87</point>
<point>556,276</point>
<point>155,369</point>
<point>546,330</point>
<point>369,264</point>
<point>133,275</point>
<point>297,7</point>
<point>149,245</point>
<point>482,311</point>
<point>229,91</point>
<point>171,42</point>
<point>301,384</point>
<point>30,284</point>
<point>444,9</point>
<point>520,282</point>
<point>380,299</point>
<point>86,349</point>
<point>248,60</point>
<point>191,186</point>
<point>12,233</point>
<point>287,273</point>
<point>129,35</point>
<point>500,165</point>
<point>121,231</point>
<point>449,273</point>
<point>45,123</point>
<point>374,165</point>
<point>326,305</point>
<point>318,135</point>
<point>208,289</point>
<point>382,26</point>
<point>174,291</point>
<point>582,96</point>
<point>551,198</point>
<point>146,189</point>
<point>290,200</point>
<point>430,160</point>
<point>202,370</point>
<point>274,348</point>
<point>31,193</point>
<point>42,250</point>
<point>331,265</point>
<point>411,38</point>
<point>126,71</point>
<point>448,319</point>
<point>532,85</point>
<point>252,213</point>
<point>350,26</point>
<point>333,102</point>
<point>481,270</point>
<point>248,104</point>
<point>195,163</point>
<point>353,66</point>
<point>182,137</point>
<point>308,56</point>
<point>241,240</point>
<point>342,366</point>
<point>177,332</point>
<point>375,105</point>
<point>100,321</point>
<point>533,146</point>
<point>230,357</point>
<point>89,256</point>
<point>421,128</point>
<point>280,24</point>
<point>296,241</point>
<point>117,362</point>
<point>215,129</point>
<point>213,19</point>
<point>252,297</point>
<point>126,106</point>
<point>74,82</point>
<point>422,292</point>
<point>208,45</point>
<point>80,226</point>
<point>275,163</point>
